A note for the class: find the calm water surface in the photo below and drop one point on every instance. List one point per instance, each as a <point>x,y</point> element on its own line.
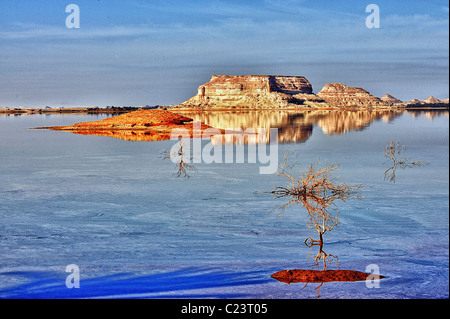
<point>114,208</point>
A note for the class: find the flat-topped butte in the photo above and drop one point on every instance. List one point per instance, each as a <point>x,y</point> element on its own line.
<point>254,92</point>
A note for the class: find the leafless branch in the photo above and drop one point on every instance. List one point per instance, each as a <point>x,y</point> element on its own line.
<point>392,152</point>
<point>317,190</point>
<point>183,166</point>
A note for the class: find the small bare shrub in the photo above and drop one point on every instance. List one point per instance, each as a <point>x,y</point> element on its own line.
<point>317,190</point>
<point>393,151</point>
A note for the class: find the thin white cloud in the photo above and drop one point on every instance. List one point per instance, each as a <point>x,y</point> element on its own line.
<point>414,21</point>
<point>35,31</point>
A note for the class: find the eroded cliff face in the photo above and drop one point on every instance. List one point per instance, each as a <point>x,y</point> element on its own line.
<point>254,92</point>
<point>341,95</point>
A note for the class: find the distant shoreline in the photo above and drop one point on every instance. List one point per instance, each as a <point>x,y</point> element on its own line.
<point>68,110</point>
<point>127,109</point>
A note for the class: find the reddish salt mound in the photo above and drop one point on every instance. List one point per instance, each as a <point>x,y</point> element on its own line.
<point>142,125</point>
<point>311,276</point>
<point>141,118</point>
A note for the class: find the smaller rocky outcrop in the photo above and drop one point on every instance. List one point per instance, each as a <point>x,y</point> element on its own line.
<point>432,100</point>
<point>428,102</point>
<point>387,98</point>
<point>341,95</point>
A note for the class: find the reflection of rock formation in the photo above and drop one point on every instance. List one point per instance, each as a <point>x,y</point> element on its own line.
<point>293,126</point>
<point>255,92</point>
<point>143,125</point>
<point>128,135</point>
<point>340,95</point>
<point>432,115</point>
<point>345,121</point>
<point>429,114</point>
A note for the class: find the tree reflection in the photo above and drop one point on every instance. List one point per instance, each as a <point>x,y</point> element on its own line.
<point>180,154</point>
<point>321,255</point>
<point>317,190</point>
<point>392,151</point>
<point>323,276</point>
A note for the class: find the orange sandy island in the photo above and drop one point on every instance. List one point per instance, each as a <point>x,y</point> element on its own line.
<point>141,125</point>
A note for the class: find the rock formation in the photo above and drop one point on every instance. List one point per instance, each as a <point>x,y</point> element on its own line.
<point>390,99</point>
<point>428,102</point>
<point>341,95</point>
<point>142,125</point>
<point>284,92</point>
<point>254,92</point>
<point>432,100</point>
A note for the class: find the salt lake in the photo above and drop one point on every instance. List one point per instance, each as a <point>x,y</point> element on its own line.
<point>114,208</point>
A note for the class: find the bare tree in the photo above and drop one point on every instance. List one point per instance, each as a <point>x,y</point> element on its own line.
<point>317,190</point>
<point>393,152</point>
<point>180,154</point>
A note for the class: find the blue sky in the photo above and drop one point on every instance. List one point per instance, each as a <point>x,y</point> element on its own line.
<point>158,52</point>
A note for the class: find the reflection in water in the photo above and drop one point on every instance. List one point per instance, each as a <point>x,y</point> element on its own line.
<point>127,135</point>
<point>322,276</point>
<point>293,126</point>
<point>430,114</point>
<point>321,255</point>
<point>317,190</point>
<point>393,152</point>
<point>181,155</point>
